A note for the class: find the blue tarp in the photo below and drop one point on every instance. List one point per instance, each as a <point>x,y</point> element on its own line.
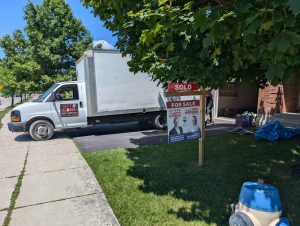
<point>274,130</point>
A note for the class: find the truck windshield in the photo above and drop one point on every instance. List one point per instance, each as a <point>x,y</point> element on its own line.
<point>44,96</point>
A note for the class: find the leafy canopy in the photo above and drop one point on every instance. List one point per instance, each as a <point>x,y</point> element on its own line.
<point>57,39</point>
<point>17,70</point>
<point>210,42</point>
<point>47,50</point>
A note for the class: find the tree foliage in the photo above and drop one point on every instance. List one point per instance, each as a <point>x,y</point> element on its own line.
<point>98,46</point>
<point>17,69</point>
<point>57,39</point>
<point>47,50</point>
<point>210,42</point>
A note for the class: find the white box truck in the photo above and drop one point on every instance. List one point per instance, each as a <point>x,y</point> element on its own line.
<point>105,92</point>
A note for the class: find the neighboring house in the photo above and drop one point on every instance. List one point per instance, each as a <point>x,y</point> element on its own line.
<point>281,102</point>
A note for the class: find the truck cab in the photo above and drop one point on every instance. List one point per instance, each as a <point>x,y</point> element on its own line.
<point>61,106</point>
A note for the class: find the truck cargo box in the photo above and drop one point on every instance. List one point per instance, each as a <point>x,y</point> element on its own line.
<point>111,89</point>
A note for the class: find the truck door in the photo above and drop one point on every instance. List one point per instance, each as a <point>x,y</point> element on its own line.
<point>67,109</point>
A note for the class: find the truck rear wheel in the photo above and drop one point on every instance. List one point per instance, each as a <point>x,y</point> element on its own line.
<point>159,121</point>
<point>41,130</point>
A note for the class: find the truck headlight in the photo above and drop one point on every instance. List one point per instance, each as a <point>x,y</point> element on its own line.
<point>15,116</point>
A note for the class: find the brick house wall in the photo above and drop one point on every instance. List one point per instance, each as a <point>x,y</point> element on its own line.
<point>278,99</point>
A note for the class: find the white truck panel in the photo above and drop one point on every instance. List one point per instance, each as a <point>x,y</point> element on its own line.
<point>112,89</point>
<point>120,90</point>
<point>80,70</point>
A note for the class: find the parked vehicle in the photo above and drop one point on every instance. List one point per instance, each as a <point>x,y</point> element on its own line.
<point>105,92</point>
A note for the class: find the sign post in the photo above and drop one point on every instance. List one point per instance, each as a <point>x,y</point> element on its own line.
<point>202,138</point>
<point>187,110</point>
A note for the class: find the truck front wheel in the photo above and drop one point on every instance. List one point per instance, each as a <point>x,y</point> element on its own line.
<point>41,130</point>
<point>159,121</point>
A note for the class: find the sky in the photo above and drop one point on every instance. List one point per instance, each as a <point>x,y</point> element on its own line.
<point>12,11</point>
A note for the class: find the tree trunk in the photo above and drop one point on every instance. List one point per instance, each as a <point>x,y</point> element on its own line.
<point>12,100</point>
<point>21,97</point>
<point>25,96</point>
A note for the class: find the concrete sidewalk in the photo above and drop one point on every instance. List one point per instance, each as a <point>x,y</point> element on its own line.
<point>58,187</point>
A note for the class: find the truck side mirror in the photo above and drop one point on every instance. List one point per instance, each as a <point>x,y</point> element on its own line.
<point>53,97</point>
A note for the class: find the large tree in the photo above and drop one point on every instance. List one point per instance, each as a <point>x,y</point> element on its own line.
<point>210,42</point>
<point>56,38</point>
<point>17,70</point>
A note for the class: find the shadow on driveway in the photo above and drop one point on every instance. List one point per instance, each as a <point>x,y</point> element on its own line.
<point>126,135</point>
<point>25,137</point>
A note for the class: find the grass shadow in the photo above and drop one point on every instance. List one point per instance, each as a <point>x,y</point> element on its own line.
<point>172,170</point>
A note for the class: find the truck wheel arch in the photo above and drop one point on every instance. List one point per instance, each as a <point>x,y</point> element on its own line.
<point>32,120</point>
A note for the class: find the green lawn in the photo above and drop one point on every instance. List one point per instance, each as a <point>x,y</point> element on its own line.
<point>162,185</point>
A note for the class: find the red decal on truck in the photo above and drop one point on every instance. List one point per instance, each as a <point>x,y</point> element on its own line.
<point>69,110</point>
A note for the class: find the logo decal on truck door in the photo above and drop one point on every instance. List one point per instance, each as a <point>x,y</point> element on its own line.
<point>69,110</point>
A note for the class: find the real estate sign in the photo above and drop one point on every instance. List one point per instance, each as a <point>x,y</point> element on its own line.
<point>182,87</point>
<point>183,118</point>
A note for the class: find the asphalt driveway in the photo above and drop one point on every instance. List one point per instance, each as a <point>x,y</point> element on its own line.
<point>131,135</point>
<point>126,135</point>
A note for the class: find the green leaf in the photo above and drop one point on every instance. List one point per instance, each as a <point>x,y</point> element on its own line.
<point>148,55</point>
<point>201,21</point>
<point>290,21</point>
<point>215,53</point>
<point>275,70</point>
<point>162,2</point>
<point>290,60</point>
<point>187,37</point>
<point>157,45</point>
<point>276,3</point>
<point>244,8</point>
<point>254,24</point>
<point>283,41</point>
<point>157,29</point>
<point>171,46</point>
<point>226,15</point>
<point>294,5</point>
<point>266,26</point>
<point>188,6</point>
<point>207,41</point>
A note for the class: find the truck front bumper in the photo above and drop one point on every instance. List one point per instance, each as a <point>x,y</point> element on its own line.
<point>16,126</point>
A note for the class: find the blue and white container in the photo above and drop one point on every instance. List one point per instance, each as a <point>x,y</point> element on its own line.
<point>259,205</point>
